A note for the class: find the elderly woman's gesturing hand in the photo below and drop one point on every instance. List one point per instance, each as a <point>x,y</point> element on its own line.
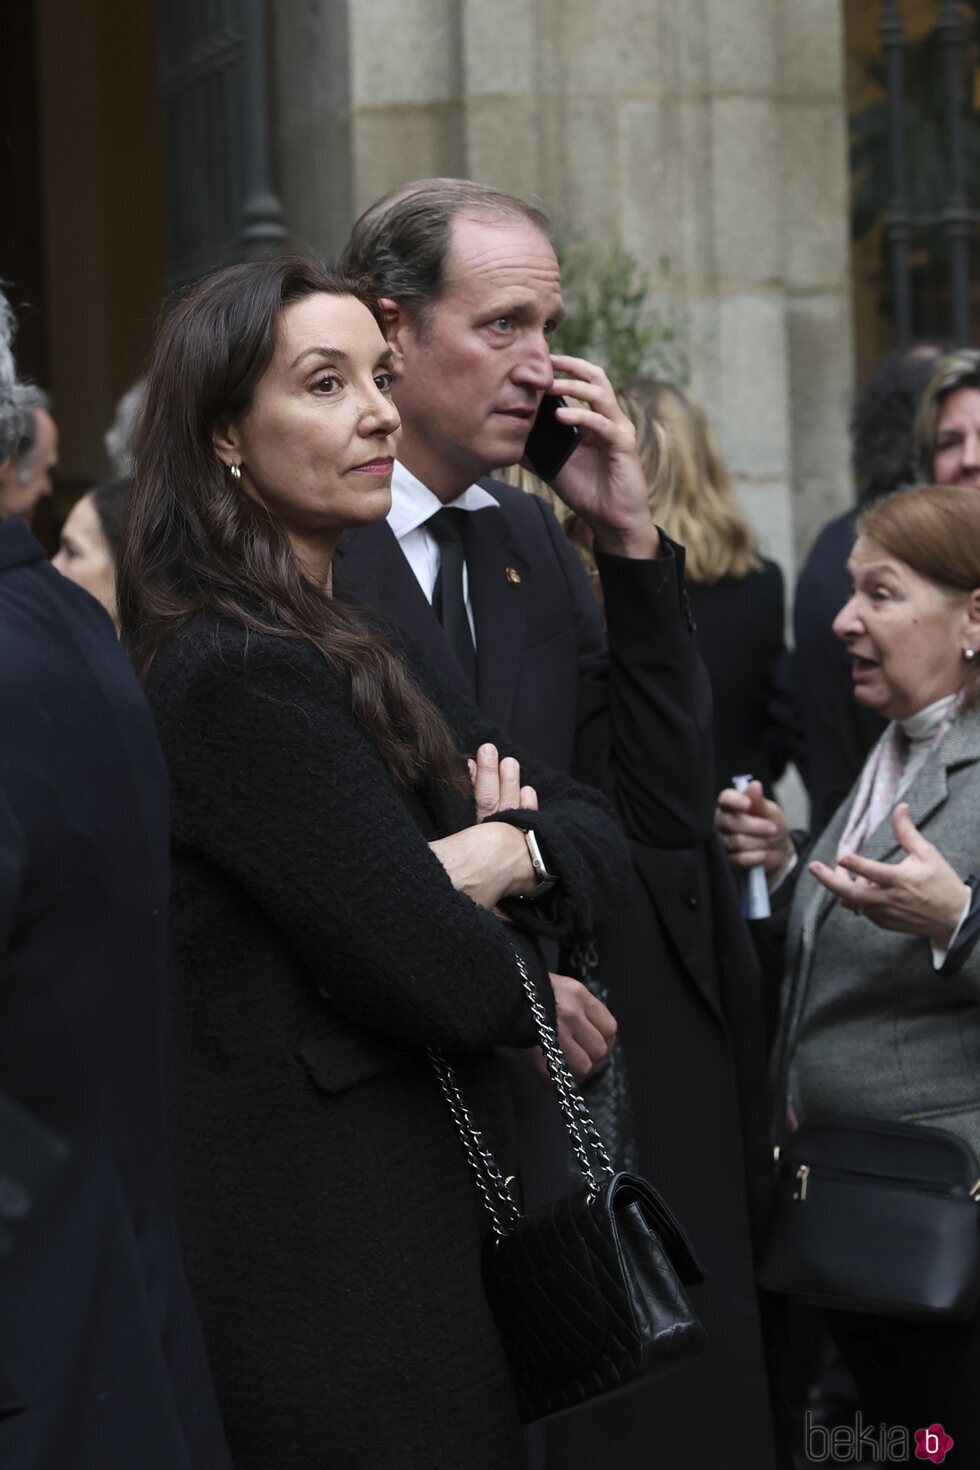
<point>754,831</point>
<point>920,895</point>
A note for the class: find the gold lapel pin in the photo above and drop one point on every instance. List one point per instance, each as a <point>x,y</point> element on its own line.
<point>513,576</point>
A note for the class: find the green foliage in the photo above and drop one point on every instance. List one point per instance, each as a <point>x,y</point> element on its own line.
<point>612,320</point>
<point>924,113</point>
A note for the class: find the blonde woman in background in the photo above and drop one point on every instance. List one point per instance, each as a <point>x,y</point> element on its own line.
<point>736,594</point>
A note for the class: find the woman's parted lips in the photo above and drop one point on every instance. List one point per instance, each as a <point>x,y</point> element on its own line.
<point>382,466</point>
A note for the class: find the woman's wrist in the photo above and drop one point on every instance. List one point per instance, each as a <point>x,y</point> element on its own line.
<point>516,869</point>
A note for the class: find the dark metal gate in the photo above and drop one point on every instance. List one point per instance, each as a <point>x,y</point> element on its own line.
<point>957,219</point>
<point>220,205</point>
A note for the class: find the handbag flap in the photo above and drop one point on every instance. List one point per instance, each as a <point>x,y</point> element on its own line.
<point>909,1151</point>
<point>625,1191</point>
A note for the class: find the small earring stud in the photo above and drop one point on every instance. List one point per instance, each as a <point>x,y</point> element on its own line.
<point>969,653</point>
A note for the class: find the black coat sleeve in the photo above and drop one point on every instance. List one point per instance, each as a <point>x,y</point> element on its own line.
<point>275,784</point>
<point>643,733</point>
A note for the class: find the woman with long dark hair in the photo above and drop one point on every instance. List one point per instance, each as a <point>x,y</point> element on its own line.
<point>335,899</point>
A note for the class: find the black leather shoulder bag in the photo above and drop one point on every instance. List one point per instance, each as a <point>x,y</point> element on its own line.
<point>587,1292</point>
<point>876,1217</point>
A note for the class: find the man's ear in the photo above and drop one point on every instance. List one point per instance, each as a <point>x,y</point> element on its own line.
<point>399,330</point>
<point>224,437</point>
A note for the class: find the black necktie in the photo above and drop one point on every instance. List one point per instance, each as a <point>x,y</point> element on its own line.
<point>448,602</point>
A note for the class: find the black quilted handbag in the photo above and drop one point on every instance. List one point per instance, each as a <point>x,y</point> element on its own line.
<point>586,1292</point>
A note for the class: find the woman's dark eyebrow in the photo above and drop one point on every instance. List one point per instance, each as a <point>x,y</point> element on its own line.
<point>335,354</point>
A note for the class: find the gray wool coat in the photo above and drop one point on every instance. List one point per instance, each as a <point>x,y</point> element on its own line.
<point>870,1028</point>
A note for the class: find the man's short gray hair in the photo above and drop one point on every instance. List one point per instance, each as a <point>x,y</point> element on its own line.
<point>28,399</point>
<point>118,439</point>
<point>16,417</point>
<point>402,242</point>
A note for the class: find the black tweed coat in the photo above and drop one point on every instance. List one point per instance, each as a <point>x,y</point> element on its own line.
<point>330,1225</point>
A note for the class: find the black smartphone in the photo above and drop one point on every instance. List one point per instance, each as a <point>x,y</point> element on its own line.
<point>550,442</point>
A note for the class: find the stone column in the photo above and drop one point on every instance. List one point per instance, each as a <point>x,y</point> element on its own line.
<point>368,97</point>
<point>816,208</point>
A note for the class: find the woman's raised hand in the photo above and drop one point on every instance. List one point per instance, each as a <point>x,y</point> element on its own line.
<point>497,784</point>
<point>490,861</point>
<point>754,830</point>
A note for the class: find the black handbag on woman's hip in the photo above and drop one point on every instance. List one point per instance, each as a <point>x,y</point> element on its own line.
<point>586,1292</point>
<point>876,1217</point>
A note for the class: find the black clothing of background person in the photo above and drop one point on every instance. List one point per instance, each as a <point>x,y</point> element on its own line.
<point>331,1223</point>
<point>632,716</point>
<point>837,731</point>
<point>740,626</point>
<point>101,1357</point>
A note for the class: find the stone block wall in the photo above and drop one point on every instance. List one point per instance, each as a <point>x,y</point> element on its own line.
<point>707,137</point>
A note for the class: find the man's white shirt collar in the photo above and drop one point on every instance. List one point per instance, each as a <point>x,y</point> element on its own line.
<point>411,506</point>
<point>412,503</point>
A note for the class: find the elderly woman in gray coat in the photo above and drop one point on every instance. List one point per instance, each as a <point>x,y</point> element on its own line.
<point>881,1010</point>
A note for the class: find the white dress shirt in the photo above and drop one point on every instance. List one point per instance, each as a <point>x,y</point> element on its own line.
<point>411,506</point>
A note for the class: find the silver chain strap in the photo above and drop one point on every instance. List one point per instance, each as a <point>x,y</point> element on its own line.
<point>584,959</point>
<point>595,1166</point>
<point>489,1179</point>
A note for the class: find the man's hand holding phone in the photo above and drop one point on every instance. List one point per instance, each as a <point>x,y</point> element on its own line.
<point>602,480</point>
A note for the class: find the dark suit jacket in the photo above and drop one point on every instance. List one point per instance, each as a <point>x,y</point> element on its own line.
<point>632,715</point>
<point>101,1358</point>
<point>545,672</point>
<point>837,732</point>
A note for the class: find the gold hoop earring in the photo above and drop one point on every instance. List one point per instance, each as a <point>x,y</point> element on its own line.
<point>235,470</point>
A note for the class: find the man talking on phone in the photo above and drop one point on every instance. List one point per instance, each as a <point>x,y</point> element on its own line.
<point>471,289</point>
<point>483,578</point>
